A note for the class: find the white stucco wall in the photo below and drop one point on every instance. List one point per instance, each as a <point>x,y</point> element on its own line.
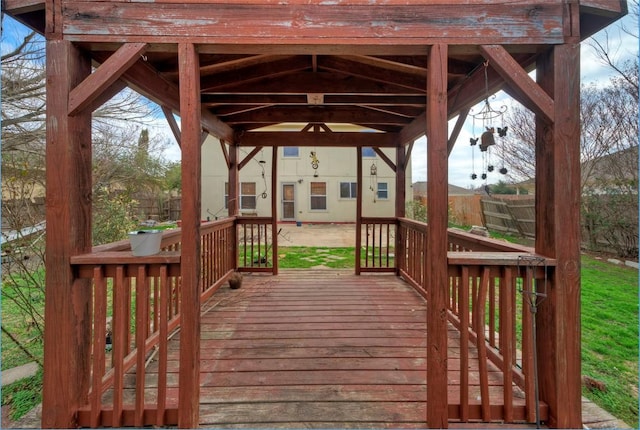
<point>336,165</point>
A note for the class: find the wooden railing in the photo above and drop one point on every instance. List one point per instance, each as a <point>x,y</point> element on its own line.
<point>492,298</point>
<point>377,245</point>
<point>257,248</point>
<point>136,307</point>
<point>494,290</point>
<point>411,253</point>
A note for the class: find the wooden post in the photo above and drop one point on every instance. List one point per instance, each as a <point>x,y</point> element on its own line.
<point>437,279</point>
<point>67,336</point>
<point>189,381</point>
<point>274,208</point>
<point>558,236</point>
<point>358,209</point>
<point>234,174</point>
<point>401,187</point>
<point>232,197</point>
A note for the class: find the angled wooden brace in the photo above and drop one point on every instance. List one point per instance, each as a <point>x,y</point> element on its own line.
<point>104,78</point>
<point>386,159</point>
<point>522,85</point>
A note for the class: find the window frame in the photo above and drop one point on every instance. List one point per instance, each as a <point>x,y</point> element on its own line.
<point>379,190</point>
<point>311,197</point>
<point>353,190</point>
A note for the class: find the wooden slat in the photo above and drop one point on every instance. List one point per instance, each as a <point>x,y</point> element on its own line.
<point>99,344</point>
<point>141,318</point>
<point>165,314</point>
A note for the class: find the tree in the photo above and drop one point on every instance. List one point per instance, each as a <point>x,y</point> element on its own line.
<point>608,151</point>
<point>122,166</point>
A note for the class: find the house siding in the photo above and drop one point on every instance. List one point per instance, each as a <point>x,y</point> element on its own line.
<point>336,165</point>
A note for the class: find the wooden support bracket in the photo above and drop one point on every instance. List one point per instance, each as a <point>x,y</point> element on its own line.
<point>104,76</point>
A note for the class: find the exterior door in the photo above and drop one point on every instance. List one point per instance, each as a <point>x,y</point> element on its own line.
<point>288,202</point>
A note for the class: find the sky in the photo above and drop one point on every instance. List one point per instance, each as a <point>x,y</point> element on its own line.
<point>462,161</point>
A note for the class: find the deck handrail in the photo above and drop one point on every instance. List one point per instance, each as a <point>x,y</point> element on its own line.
<point>136,305</point>
<point>485,278</point>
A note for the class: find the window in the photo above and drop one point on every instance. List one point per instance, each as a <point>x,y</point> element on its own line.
<point>290,151</point>
<point>368,152</point>
<point>383,192</point>
<point>348,190</point>
<point>318,196</point>
<point>247,195</point>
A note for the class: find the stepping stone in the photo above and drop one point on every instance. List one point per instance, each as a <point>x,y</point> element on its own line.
<point>10,376</point>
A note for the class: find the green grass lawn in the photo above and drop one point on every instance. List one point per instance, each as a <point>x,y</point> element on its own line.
<point>610,336</point>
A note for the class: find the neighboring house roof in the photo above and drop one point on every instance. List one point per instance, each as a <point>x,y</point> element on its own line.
<point>420,189</point>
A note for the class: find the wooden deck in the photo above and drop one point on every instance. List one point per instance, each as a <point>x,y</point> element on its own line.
<point>320,349</point>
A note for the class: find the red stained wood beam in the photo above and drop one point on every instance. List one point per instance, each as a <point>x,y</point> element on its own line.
<point>519,80</point>
<point>534,22</point>
<point>334,139</point>
<point>105,75</point>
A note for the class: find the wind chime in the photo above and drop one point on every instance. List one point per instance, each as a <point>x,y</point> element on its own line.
<point>487,120</point>
<point>373,180</point>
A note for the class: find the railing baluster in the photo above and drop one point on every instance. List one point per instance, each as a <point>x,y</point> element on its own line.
<point>507,340</point>
<point>165,292</point>
<point>527,346</point>
<point>99,343</point>
<point>120,326</point>
<point>481,343</point>
<point>142,317</point>
<point>464,344</point>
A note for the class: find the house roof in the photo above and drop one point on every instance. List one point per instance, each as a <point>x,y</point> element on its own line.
<point>420,189</point>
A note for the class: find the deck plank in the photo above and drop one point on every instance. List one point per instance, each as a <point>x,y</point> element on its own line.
<point>320,350</point>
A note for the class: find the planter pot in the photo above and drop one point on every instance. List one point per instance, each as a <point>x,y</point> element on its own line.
<point>145,242</point>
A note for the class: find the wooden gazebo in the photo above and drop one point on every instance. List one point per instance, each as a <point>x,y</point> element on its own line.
<point>227,68</point>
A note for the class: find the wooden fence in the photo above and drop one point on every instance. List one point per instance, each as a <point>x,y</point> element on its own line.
<point>517,216</point>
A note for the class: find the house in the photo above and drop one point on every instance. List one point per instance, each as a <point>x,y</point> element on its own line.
<point>229,68</point>
<point>305,194</point>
